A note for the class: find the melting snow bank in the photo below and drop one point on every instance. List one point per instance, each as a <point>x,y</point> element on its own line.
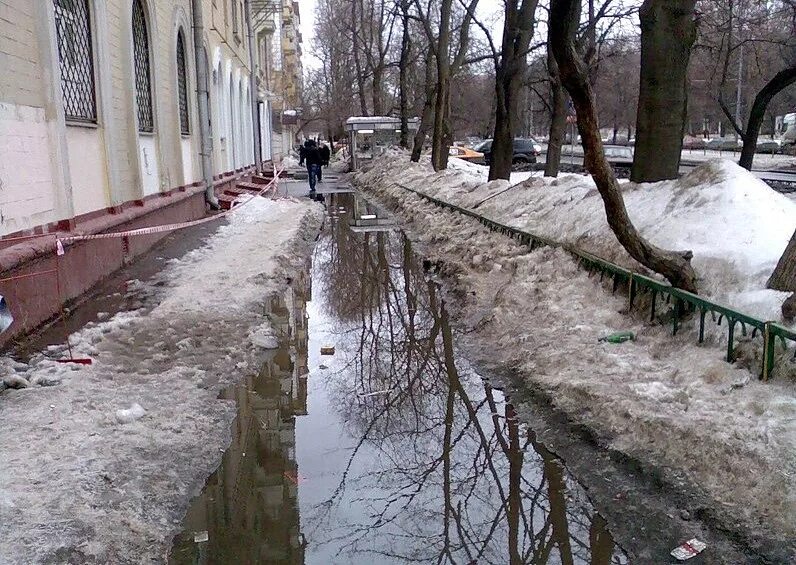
<point>665,402</point>
<point>736,225</point>
<point>101,468</point>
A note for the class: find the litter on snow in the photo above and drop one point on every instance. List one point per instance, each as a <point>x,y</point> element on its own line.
<point>327,350</point>
<point>688,549</point>
<point>618,337</point>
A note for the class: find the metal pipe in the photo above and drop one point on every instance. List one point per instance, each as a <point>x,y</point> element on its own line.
<point>203,98</point>
<point>254,93</point>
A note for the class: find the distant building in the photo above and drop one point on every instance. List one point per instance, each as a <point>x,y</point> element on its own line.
<point>276,26</point>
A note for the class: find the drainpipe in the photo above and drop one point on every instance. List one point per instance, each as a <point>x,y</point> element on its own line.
<point>205,134</point>
<point>258,160</point>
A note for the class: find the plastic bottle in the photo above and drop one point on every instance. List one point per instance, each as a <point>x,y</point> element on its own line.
<point>619,337</point>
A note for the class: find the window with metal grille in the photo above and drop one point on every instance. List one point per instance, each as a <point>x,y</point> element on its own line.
<point>182,85</point>
<point>143,82</point>
<point>76,59</point>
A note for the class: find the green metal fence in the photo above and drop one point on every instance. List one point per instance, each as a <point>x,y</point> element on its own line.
<point>684,302</point>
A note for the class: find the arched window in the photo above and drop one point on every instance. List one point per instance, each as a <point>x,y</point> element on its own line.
<point>76,59</point>
<point>182,85</point>
<point>143,82</point>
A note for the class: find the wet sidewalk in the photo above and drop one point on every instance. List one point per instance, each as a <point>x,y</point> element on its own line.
<point>390,450</point>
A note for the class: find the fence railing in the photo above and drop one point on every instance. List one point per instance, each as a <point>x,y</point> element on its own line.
<point>685,302</point>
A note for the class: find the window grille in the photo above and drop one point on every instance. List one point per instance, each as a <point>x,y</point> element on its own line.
<point>76,59</point>
<point>143,83</point>
<point>182,86</point>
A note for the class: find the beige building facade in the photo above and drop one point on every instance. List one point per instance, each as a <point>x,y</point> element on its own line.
<point>98,103</point>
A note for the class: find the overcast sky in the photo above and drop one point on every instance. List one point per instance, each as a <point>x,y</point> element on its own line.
<point>487,10</point>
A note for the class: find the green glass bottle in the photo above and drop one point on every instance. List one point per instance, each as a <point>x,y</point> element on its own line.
<point>619,337</point>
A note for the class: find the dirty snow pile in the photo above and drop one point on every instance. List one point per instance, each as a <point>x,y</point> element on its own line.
<point>101,466</point>
<point>666,402</point>
<point>735,224</point>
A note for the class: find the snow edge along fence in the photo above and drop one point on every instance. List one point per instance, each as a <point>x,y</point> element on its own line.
<point>684,301</point>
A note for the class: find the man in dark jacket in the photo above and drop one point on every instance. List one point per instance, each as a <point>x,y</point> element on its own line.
<point>312,157</point>
<point>325,154</point>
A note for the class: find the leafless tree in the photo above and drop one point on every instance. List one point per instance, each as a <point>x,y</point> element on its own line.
<point>675,266</point>
<point>449,56</point>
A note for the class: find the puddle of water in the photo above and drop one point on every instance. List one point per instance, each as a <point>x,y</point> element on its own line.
<point>130,288</point>
<point>391,450</point>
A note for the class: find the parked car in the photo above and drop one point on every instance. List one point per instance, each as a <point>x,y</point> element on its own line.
<point>723,144</point>
<point>618,155</point>
<point>465,153</point>
<point>769,146</point>
<point>526,149</point>
<point>693,142</point>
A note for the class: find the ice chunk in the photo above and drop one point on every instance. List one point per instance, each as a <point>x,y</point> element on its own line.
<point>15,381</point>
<point>264,337</point>
<point>127,415</point>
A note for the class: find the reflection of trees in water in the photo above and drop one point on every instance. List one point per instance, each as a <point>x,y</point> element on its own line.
<point>249,504</point>
<point>454,477</point>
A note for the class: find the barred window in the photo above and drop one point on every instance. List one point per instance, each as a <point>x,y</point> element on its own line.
<point>182,85</point>
<point>143,82</point>
<point>76,59</point>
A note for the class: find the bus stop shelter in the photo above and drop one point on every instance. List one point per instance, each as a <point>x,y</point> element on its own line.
<point>369,136</point>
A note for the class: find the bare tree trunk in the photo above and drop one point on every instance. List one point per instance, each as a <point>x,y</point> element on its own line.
<point>784,275</point>
<point>675,266</point>
<point>668,30</point>
<point>558,123</point>
<point>377,76</point>
<point>779,82</point>
<point>427,116</point>
<point>363,105</point>
<point>403,74</point>
<point>439,151</point>
<point>517,33</point>
<point>503,135</point>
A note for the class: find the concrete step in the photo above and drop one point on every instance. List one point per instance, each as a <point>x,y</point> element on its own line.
<point>226,201</point>
<point>248,185</point>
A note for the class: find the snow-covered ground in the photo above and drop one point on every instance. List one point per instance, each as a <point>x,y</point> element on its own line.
<point>736,225</point>
<point>710,427</point>
<point>100,467</point>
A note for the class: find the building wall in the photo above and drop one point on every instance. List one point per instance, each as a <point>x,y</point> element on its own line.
<point>52,169</point>
<point>280,72</point>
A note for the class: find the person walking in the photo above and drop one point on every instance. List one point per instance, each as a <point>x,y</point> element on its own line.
<point>325,155</point>
<point>312,157</point>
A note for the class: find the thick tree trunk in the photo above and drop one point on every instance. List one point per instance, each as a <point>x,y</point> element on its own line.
<point>503,136</point>
<point>668,30</point>
<point>675,266</point>
<point>517,33</point>
<point>781,80</point>
<point>439,150</point>
<point>558,123</point>
<point>784,275</point>
<point>403,74</point>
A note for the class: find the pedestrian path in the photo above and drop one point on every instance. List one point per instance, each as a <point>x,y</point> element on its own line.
<point>331,183</point>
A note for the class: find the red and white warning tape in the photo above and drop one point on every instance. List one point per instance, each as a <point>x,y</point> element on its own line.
<point>59,243</point>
